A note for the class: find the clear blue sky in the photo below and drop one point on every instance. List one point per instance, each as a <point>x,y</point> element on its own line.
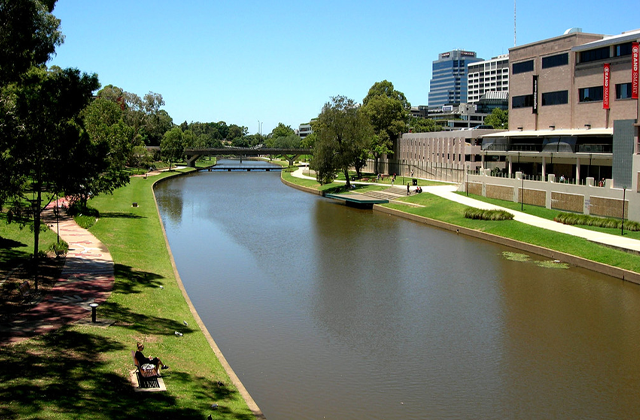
<point>279,61</point>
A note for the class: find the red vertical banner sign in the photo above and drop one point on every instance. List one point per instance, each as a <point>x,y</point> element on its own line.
<point>635,58</point>
<point>605,84</point>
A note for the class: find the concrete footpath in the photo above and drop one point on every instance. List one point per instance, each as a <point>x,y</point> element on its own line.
<point>87,277</point>
<point>449,192</point>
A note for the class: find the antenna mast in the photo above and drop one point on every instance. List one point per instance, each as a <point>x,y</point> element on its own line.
<point>514,23</point>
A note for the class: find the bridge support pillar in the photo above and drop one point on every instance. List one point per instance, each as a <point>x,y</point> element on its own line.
<point>191,161</point>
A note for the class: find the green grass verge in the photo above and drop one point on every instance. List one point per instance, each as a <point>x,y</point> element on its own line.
<point>447,211</point>
<point>549,214</point>
<point>82,372</point>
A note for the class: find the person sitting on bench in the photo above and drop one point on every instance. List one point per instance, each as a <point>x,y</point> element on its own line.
<point>142,360</point>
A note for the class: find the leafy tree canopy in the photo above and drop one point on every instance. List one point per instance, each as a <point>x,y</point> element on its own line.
<point>282,130</point>
<point>388,112</point>
<point>172,145</point>
<point>498,119</point>
<point>343,132</point>
<point>423,125</point>
<point>29,34</point>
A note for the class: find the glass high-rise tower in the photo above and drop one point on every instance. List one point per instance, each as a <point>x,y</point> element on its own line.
<point>448,84</point>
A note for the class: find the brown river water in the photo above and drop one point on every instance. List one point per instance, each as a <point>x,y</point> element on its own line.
<point>325,311</point>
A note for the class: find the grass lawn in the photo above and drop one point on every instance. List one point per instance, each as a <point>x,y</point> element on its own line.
<point>444,210</point>
<point>549,214</point>
<point>82,372</point>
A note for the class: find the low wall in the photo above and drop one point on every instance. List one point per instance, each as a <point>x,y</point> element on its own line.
<point>588,199</point>
<point>300,187</point>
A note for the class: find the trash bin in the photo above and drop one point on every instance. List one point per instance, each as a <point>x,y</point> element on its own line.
<point>415,182</point>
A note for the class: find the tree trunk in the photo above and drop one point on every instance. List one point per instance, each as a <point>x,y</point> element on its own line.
<point>36,232</point>
<point>346,175</point>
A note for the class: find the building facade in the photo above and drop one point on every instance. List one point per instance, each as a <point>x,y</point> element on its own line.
<point>441,155</point>
<point>572,118</point>
<point>448,85</point>
<point>304,130</point>
<point>488,76</point>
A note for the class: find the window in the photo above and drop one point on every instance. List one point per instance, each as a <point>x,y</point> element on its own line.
<point>555,98</point>
<point>623,91</point>
<point>590,94</point>
<point>622,49</point>
<point>593,55</point>
<point>522,67</point>
<point>524,101</point>
<point>555,60</point>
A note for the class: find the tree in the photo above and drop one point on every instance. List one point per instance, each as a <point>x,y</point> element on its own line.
<point>29,34</point>
<point>343,131</point>
<point>236,131</point>
<point>282,130</point>
<point>423,125</point>
<point>144,115</point>
<point>498,119</point>
<point>172,145</point>
<point>111,139</point>
<point>52,151</point>
<point>388,112</point>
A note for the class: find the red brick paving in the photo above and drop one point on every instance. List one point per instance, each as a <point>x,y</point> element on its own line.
<point>87,277</point>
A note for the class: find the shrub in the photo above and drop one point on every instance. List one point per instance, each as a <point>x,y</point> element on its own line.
<point>603,222</point>
<point>474,213</point>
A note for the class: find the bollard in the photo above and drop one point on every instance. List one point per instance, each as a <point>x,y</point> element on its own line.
<point>93,306</point>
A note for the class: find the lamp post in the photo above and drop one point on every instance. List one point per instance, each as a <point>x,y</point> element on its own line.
<point>521,191</point>
<point>467,183</point>
<point>624,191</point>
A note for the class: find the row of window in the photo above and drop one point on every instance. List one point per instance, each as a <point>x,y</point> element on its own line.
<point>596,93</point>
<point>591,94</point>
<point>596,54</point>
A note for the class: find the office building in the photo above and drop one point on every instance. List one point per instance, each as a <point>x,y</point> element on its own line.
<point>573,116</point>
<point>488,76</point>
<point>448,85</point>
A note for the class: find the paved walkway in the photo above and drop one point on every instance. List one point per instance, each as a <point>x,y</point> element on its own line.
<point>87,277</point>
<point>449,192</point>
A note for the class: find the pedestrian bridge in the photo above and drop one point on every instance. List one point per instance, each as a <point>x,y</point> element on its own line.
<point>194,154</point>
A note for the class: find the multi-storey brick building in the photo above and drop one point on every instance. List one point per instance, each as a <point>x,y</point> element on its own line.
<point>571,117</point>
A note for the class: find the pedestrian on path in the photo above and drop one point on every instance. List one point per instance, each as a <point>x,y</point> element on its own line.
<point>408,190</point>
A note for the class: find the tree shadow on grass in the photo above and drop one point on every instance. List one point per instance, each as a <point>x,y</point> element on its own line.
<point>10,243</point>
<point>120,215</point>
<point>141,323</point>
<point>133,281</point>
<point>62,374</point>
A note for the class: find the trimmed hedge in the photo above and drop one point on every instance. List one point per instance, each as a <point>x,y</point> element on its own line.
<point>585,220</point>
<point>474,213</point>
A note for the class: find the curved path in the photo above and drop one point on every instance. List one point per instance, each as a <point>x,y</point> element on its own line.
<point>449,192</point>
<point>87,277</point>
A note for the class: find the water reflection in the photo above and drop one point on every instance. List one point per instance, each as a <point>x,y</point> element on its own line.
<point>325,310</point>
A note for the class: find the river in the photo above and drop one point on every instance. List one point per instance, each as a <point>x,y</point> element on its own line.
<point>325,311</point>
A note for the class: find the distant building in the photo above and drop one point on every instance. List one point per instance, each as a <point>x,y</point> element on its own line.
<point>448,85</point>
<point>304,130</point>
<point>492,100</point>
<point>488,76</point>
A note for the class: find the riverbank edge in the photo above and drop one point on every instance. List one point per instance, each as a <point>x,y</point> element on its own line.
<point>619,273</point>
<point>216,350</point>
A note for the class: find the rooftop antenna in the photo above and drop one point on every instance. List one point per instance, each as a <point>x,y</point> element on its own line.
<point>514,23</point>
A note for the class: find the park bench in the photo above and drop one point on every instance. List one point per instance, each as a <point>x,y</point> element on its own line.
<point>147,374</point>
